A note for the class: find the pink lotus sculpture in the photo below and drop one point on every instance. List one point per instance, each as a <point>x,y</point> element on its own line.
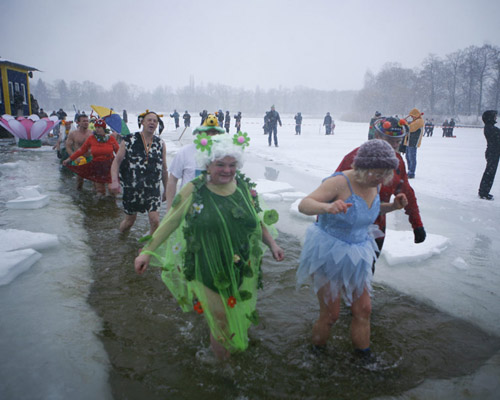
<point>29,130</point>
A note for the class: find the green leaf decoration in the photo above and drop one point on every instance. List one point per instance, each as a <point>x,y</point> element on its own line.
<point>238,212</point>
<point>271,217</point>
<point>253,317</point>
<point>146,238</point>
<point>245,295</point>
<point>247,271</point>
<point>183,301</point>
<point>221,281</point>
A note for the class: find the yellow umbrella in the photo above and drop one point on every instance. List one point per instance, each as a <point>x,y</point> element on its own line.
<point>102,111</point>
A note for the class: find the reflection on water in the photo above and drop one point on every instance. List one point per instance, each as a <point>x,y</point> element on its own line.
<point>159,352</point>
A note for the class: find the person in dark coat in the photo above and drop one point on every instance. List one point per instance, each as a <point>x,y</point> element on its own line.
<point>266,123</point>
<point>327,123</point>
<point>175,116</point>
<point>429,127</point>
<point>227,121</point>
<point>274,120</point>
<point>203,115</point>
<point>445,128</point>
<point>187,119</point>
<point>61,114</point>
<point>451,126</point>
<point>298,123</point>
<point>220,117</point>
<point>42,113</point>
<point>237,122</point>
<point>492,154</point>
<point>125,116</point>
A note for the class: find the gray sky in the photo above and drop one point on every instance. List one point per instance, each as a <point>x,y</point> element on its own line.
<point>324,44</point>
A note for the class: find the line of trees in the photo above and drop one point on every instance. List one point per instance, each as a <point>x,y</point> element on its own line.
<point>463,83</point>
<point>212,97</point>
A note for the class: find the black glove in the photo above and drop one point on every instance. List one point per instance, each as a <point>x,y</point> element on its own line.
<point>419,234</point>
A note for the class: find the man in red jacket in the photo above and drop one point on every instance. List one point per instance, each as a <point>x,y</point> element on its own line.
<point>393,131</point>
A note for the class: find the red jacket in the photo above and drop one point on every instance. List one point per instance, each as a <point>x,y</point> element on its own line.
<point>100,151</point>
<point>398,185</point>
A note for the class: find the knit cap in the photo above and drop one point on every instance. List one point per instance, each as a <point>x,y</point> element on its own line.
<point>376,153</point>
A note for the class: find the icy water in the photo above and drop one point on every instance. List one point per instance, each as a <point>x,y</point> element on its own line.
<point>156,351</point>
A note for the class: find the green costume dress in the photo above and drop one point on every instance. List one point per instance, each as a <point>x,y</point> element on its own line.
<point>210,248</point>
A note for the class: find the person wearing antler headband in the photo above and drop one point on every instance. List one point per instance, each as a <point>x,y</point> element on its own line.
<point>209,245</point>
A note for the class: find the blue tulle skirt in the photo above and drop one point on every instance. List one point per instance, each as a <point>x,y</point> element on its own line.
<point>345,267</point>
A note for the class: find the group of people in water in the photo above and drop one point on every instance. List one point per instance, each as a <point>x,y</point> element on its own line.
<point>209,245</point>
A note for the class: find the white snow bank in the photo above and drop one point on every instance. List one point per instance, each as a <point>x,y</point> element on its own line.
<point>267,186</point>
<point>399,247</point>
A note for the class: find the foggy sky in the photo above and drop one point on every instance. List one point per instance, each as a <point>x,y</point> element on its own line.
<point>323,44</point>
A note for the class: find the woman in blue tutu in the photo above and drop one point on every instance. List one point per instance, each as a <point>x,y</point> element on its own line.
<point>339,248</point>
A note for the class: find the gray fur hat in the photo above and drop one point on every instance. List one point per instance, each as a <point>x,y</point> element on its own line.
<point>376,153</point>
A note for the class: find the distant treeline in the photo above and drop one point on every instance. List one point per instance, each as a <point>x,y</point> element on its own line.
<point>465,82</point>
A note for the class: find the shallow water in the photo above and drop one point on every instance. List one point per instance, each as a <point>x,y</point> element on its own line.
<point>156,351</point>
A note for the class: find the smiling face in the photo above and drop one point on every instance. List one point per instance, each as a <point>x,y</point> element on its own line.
<point>222,171</point>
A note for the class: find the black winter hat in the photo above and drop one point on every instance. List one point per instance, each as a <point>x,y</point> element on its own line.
<point>489,116</point>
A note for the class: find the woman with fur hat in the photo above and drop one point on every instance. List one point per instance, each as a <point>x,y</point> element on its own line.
<point>209,245</point>
<point>339,248</point>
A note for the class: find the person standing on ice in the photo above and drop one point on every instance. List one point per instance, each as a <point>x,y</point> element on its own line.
<point>237,121</point>
<point>492,135</point>
<point>393,131</point>
<point>175,116</point>
<point>327,123</point>
<point>273,121</point>
<point>413,140</point>
<point>227,121</point>
<point>339,249</point>
<point>187,119</point>
<point>298,123</point>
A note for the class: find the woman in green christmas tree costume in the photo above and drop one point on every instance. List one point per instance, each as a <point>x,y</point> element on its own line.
<point>210,244</point>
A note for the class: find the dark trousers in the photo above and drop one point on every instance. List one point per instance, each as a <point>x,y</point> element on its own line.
<point>489,173</point>
<point>297,129</point>
<point>273,131</point>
